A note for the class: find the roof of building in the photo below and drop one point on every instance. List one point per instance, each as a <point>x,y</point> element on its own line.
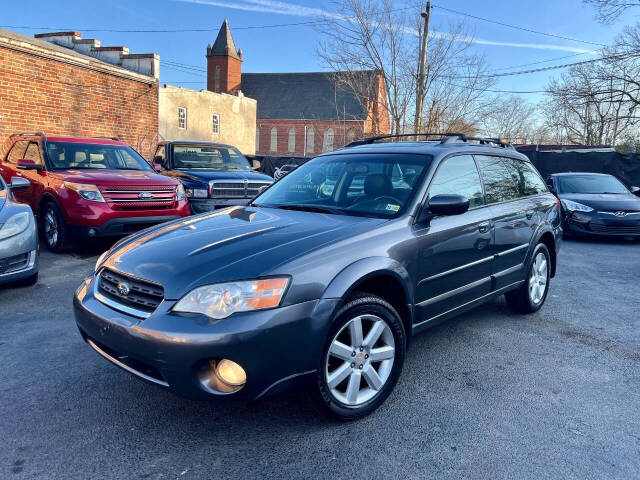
<point>224,44</point>
<point>310,95</point>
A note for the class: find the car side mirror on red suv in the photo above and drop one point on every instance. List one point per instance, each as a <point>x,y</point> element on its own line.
<point>26,164</point>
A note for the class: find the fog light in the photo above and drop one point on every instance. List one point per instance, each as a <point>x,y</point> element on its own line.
<point>231,373</point>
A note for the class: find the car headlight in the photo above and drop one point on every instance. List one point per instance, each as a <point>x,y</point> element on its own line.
<point>223,299</point>
<point>16,224</point>
<point>86,191</point>
<point>572,206</point>
<point>197,192</point>
<point>180,192</point>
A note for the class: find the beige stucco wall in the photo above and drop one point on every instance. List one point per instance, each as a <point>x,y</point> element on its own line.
<point>237,117</point>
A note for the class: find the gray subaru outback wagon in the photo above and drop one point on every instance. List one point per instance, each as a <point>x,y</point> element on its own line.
<point>327,274</point>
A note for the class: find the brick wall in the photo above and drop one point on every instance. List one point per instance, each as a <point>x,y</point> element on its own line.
<point>340,128</point>
<point>38,93</point>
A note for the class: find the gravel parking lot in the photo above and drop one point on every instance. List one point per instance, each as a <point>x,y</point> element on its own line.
<point>488,395</point>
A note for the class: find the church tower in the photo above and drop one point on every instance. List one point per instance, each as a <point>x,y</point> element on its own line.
<point>224,63</point>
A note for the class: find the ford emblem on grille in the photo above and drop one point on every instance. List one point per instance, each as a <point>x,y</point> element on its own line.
<point>123,288</point>
<point>620,213</point>
<point>145,195</point>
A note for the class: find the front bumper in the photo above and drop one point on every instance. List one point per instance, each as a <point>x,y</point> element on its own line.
<point>275,347</point>
<point>119,227</point>
<point>601,224</point>
<point>19,256</point>
<point>203,205</point>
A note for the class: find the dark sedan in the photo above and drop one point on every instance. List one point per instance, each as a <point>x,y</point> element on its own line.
<point>327,273</point>
<point>596,204</point>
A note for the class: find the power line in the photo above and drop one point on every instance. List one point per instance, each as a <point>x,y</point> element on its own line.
<point>541,61</point>
<point>524,29</point>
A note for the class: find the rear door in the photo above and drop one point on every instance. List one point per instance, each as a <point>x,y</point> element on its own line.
<point>454,263</point>
<point>9,168</point>
<point>513,215</point>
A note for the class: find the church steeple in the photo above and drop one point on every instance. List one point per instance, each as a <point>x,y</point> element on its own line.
<point>224,62</point>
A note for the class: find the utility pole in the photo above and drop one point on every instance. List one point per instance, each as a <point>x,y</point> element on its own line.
<point>421,68</point>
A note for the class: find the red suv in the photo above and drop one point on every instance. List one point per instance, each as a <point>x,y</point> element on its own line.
<point>89,187</point>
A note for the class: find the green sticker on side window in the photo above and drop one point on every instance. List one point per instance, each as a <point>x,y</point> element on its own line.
<point>392,208</point>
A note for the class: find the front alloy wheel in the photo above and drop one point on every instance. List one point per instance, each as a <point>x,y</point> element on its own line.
<point>363,357</point>
<point>53,228</point>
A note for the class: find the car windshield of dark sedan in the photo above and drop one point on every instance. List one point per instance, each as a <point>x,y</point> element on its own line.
<point>210,158</point>
<point>375,185</point>
<point>94,156</point>
<point>591,184</point>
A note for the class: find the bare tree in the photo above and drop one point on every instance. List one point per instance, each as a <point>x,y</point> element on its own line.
<point>610,10</point>
<point>585,106</point>
<point>376,35</point>
<point>510,118</point>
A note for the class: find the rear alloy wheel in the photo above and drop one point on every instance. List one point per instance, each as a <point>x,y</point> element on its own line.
<point>53,228</point>
<point>362,359</point>
<point>531,295</point>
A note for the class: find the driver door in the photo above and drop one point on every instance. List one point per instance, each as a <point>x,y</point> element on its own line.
<point>454,258</point>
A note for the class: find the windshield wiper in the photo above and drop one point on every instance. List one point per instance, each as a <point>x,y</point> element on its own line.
<point>311,208</point>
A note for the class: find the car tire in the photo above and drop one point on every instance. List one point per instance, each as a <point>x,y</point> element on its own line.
<point>530,297</point>
<point>374,380</point>
<point>53,228</point>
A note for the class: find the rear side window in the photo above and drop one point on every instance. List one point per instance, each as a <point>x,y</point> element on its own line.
<point>531,182</point>
<point>33,153</point>
<point>17,151</point>
<point>458,176</point>
<point>501,182</point>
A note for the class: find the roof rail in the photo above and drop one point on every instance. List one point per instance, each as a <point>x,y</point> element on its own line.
<point>109,138</point>
<point>461,137</point>
<point>370,140</point>
<point>28,134</point>
<point>445,138</point>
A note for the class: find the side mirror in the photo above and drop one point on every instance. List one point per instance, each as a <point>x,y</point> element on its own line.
<point>18,183</point>
<point>26,164</point>
<point>635,191</point>
<point>255,164</point>
<point>442,205</point>
<point>157,167</point>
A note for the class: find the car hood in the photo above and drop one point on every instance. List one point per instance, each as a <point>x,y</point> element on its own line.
<point>605,201</point>
<point>232,244</point>
<point>114,177</point>
<point>201,175</point>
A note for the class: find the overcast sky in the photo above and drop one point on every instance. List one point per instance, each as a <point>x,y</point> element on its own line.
<point>291,49</point>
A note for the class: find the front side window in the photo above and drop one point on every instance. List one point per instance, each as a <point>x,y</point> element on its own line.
<point>208,157</point>
<point>94,156</point>
<point>458,176</point>
<point>373,185</point>
<point>215,123</point>
<point>17,151</point>
<point>501,182</point>
<point>182,118</point>
<point>590,184</point>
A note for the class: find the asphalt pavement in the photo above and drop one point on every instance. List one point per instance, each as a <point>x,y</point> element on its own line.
<point>487,395</point>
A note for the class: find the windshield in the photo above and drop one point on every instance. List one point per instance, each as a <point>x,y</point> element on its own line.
<point>591,184</point>
<point>211,158</point>
<point>94,156</point>
<point>374,185</point>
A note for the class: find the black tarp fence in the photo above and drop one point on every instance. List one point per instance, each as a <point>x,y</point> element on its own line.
<point>625,167</point>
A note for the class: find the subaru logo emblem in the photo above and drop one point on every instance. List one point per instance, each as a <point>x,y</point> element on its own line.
<point>123,288</point>
<point>620,213</point>
<point>145,195</point>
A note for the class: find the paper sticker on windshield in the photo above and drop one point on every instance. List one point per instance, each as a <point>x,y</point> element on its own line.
<point>392,208</point>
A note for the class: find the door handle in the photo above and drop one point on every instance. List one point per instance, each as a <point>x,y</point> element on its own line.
<point>483,227</point>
